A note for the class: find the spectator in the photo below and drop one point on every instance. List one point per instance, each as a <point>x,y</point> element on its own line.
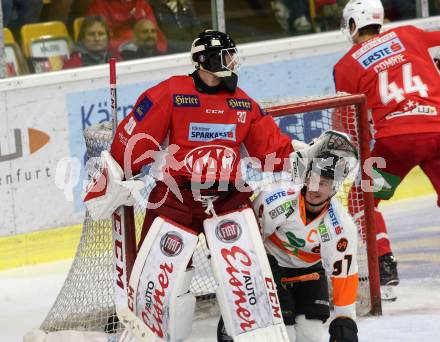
<point>399,9</point>
<point>281,13</point>
<point>434,7</point>
<point>65,10</point>
<point>327,14</point>
<point>121,16</point>
<point>144,41</point>
<point>293,16</point>
<point>257,6</point>
<point>20,12</point>
<point>178,21</point>
<point>92,45</point>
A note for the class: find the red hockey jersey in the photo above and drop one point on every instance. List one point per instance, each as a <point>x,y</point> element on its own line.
<point>397,74</point>
<point>206,129</point>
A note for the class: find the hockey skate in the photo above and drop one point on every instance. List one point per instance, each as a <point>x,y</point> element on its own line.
<point>389,277</point>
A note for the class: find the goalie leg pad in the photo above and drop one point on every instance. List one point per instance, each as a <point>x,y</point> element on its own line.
<point>246,291</point>
<point>158,279</point>
<point>127,336</point>
<point>182,307</point>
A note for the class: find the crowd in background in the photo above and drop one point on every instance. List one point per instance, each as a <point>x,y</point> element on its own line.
<point>132,29</point>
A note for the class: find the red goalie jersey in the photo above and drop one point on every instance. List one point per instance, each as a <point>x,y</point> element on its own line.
<point>396,73</point>
<point>207,131</point>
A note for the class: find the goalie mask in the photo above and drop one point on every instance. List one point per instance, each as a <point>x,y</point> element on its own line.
<point>362,13</point>
<point>215,52</point>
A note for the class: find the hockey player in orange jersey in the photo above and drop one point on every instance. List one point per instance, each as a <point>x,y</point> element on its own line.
<point>396,72</point>
<point>308,236</point>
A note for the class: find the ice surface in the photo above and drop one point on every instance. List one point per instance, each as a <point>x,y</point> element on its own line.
<point>27,293</point>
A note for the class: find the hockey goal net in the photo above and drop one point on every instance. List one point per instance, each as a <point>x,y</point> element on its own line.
<point>85,301</point>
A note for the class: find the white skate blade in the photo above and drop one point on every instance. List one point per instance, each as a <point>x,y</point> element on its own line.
<point>388,293</point>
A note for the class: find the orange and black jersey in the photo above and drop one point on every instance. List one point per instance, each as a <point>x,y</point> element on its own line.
<point>331,238</point>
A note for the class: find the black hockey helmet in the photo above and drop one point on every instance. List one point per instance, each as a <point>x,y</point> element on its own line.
<point>209,51</point>
<point>326,164</point>
<point>333,167</point>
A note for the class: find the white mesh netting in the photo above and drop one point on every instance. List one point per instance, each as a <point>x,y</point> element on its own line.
<point>85,301</point>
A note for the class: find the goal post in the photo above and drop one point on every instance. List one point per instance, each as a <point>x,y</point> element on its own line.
<point>86,300</point>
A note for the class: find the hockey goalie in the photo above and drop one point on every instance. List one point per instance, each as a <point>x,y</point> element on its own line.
<point>205,121</point>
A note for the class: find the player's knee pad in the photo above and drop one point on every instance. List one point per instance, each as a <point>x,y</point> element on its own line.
<point>308,330</point>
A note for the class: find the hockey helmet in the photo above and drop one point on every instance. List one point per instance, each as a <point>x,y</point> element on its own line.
<point>332,166</point>
<point>363,13</point>
<point>210,51</point>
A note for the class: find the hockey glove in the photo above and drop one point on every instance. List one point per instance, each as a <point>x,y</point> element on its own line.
<point>335,142</point>
<point>343,329</point>
<point>108,190</point>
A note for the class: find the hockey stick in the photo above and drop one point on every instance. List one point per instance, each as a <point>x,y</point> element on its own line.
<point>128,214</point>
<point>285,281</point>
<point>124,230</point>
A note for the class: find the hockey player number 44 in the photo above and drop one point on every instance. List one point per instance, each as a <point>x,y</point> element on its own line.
<point>411,84</point>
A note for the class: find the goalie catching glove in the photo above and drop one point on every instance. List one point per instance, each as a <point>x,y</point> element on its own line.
<point>108,190</point>
<point>334,142</point>
<point>343,329</point>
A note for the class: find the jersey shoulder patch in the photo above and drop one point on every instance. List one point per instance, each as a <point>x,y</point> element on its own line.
<point>142,108</point>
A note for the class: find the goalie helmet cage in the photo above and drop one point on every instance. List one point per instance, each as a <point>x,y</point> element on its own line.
<point>85,301</point>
